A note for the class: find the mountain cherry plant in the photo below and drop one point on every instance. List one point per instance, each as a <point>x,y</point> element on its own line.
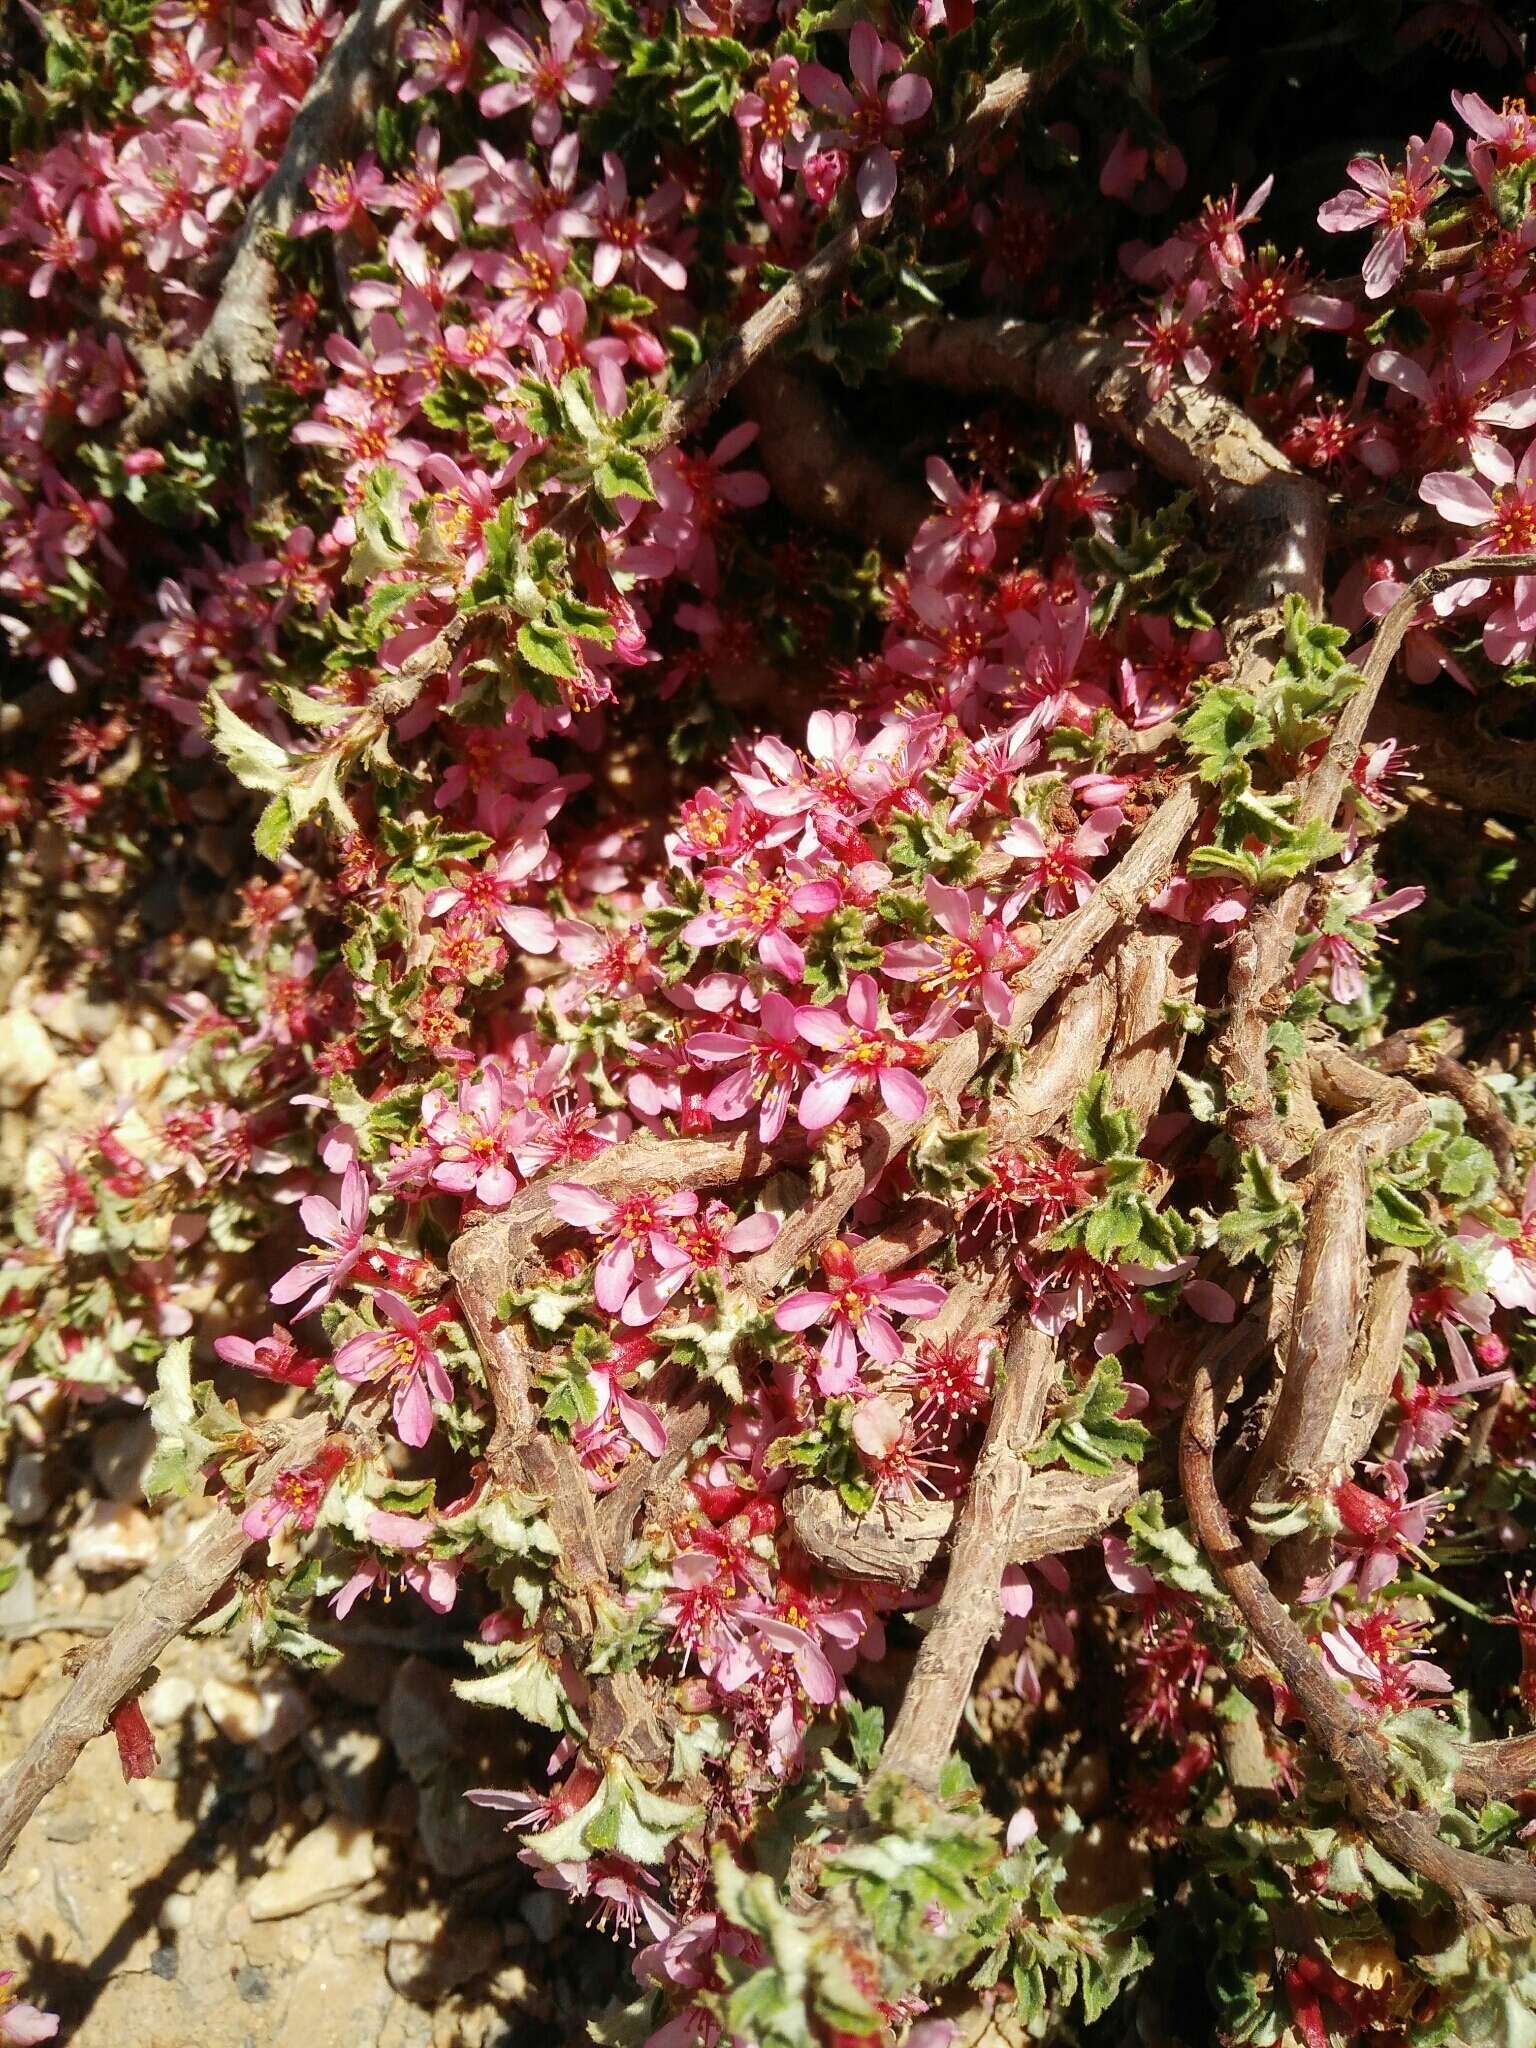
<point>721,1076</point>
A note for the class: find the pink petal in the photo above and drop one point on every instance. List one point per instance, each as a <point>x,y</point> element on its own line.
<point>579,1205</point>
<point>801,1310</point>
<point>902,1093</point>
<point>826,1099</point>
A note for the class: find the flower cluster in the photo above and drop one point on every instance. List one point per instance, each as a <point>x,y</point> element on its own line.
<point>664,913</point>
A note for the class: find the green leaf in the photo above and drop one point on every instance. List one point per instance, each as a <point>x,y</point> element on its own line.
<point>1088,1431</point>
<point>519,1677</point>
<point>827,1451</point>
<point>623,474</point>
<point>1100,1132</point>
<point>1266,1214</point>
<point>274,828</point>
<point>547,649</point>
<point>1393,1217</point>
<point>623,1816</point>
<point>254,760</point>
<point>1168,1553</point>
<point>1222,728</point>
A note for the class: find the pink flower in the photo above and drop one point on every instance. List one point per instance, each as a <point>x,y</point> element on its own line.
<point>441,54</point>
<point>866,1053</point>
<point>1375,1654</point>
<point>434,1578</point>
<point>546,75</point>
<point>1169,341</point>
<point>961,532</point>
<point>1130,165</point>
<point>1375,1532</point>
<point>776,1638</point>
<point>472,1137</point>
<point>628,1225</point>
<point>480,898</point>
<point>1511,1261</point>
<point>1346,977</point>
<point>273,1357</point>
<point>339,1233</point>
<point>22,2024</point>
<point>1503,139</point>
<point>694,1243</point>
<point>1506,519</point>
<point>295,1497</point>
<point>858,1313</point>
<point>753,906</point>
<point>1058,866</point>
<point>406,1357</point>
<point>422,192</point>
<point>626,235</point>
<point>1462,403</point>
<point>1394,203</point>
<point>767,1063</point>
<point>960,964</point>
<point>867,115</point>
<point>770,119</point>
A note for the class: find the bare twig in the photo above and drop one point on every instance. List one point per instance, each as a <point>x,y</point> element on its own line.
<point>799,296</point>
<point>986,1533</point>
<point>819,472</point>
<point>239,341</point>
<point>1061,1062</point>
<point>1261,954</point>
<point>1273,520</point>
<point>1374,1363</point>
<point>1503,1769</point>
<point>1120,898</point>
<point>112,1671</point>
<point>1058,1511</point>
<point>1153,968</point>
<point>1292,1461</point>
<point>1351,1746</point>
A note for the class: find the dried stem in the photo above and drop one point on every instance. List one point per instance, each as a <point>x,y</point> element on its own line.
<point>1273,521</point>
<point>114,1668</point>
<point>1351,1746</point>
<point>239,341</point>
<point>1503,1769</point>
<point>986,1534</point>
<point>1261,954</point>
<point>799,296</point>
<point>897,1546</point>
<point>819,472</point>
<point>1119,900</point>
<point>1322,1350</point>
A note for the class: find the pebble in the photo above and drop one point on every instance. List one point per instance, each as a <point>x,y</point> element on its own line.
<point>434,1734</point>
<point>327,1863</point>
<point>352,1760</point>
<point>111,1538</point>
<point>20,1671</point>
<point>121,1454</point>
<point>74,1824</point>
<point>545,1913</point>
<point>432,1953</point>
<point>251,1985</point>
<point>264,1713</point>
<point>19,1600</point>
<point>176,1914</point>
<point>27,1057</point>
<point>167,1701</point>
<point>28,1496</point>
